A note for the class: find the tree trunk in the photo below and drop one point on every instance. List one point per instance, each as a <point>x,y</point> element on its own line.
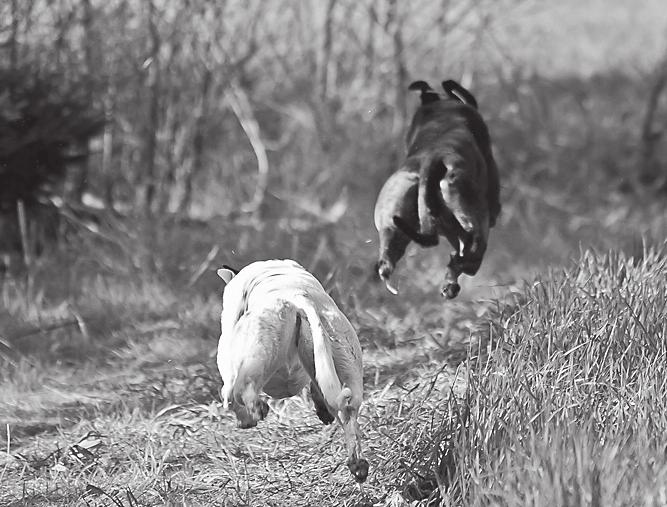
<point>107,147</point>
<point>79,171</point>
<point>395,27</point>
<point>13,41</point>
<point>325,53</point>
<point>166,183</point>
<point>197,142</point>
<point>150,132</point>
<point>370,43</point>
<point>176,125</point>
<point>649,167</point>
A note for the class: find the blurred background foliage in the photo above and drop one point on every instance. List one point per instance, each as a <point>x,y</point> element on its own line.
<point>156,139</point>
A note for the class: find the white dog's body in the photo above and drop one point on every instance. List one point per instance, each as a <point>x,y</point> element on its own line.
<point>280,330</point>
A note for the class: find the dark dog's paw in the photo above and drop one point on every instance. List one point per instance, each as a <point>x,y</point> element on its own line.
<point>383,269</point>
<point>359,468</point>
<point>451,290</point>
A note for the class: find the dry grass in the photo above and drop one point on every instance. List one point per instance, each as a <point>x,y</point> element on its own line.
<point>558,400</point>
<point>133,417</point>
<point>121,406</point>
<point>125,412</point>
<point>154,432</point>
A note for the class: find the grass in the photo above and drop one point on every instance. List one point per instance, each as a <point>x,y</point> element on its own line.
<point>567,404</point>
<point>120,406</point>
<point>552,393</point>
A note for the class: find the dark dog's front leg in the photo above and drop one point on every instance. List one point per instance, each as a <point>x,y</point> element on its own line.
<point>467,260</point>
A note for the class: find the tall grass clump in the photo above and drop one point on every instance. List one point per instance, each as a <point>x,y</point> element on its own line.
<point>568,404</point>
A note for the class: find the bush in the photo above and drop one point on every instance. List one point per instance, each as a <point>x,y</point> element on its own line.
<point>42,118</point>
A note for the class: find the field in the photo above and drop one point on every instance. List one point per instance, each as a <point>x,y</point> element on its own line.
<point>543,383</point>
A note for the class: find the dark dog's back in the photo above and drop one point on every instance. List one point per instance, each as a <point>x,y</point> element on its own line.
<point>448,127</point>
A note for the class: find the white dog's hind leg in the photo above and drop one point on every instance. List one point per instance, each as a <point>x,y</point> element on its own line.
<point>321,408</point>
<point>348,418</point>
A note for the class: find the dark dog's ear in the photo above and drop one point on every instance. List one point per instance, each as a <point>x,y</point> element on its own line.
<point>420,86</point>
<point>428,94</point>
<point>458,92</point>
<point>235,271</point>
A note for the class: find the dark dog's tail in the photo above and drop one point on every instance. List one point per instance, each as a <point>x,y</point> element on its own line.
<point>429,199</point>
<point>458,92</point>
<point>415,236</point>
<point>429,204</point>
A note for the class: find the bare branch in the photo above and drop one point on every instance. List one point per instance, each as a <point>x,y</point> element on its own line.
<point>326,51</point>
<point>238,100</point>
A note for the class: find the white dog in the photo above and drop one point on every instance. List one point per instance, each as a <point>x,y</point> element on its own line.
<point>280,330</point>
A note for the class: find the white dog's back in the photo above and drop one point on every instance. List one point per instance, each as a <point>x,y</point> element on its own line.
<point>269,363</point>
<point>257,322</point>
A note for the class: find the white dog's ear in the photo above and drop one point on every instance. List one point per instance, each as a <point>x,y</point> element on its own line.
<point>226,274</point>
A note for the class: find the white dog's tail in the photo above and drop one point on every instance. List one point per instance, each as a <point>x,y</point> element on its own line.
<point>325,370</point>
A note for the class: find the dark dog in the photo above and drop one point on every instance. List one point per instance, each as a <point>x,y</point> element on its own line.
<point>458,195</point>
<point>398,198</point>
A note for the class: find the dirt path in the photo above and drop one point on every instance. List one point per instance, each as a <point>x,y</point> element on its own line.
<point>159,434</point>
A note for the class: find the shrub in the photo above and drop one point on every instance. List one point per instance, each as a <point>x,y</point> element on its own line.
<point>42,118</point>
